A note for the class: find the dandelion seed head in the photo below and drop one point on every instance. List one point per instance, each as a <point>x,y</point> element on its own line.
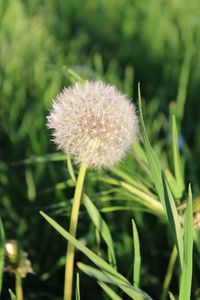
<point>94,123</point>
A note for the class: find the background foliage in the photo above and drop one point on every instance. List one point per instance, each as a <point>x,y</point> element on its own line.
<point>121,42</point>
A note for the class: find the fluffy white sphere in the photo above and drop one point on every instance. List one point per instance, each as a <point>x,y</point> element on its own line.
<point>94,123</point>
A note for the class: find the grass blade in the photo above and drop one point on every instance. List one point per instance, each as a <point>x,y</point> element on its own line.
<point>171,296</point>
<point>30,182</point>
<point>2,242</point>
<point>173,220</point>
<point>72,75</point>
<point>151,157</point>
<point>106,277</point>
<point>184,79</point>
<point>162,188</point>
<point>109,291</point>
<point>100,225</point>
<point>97,274</point>
<point>176,158</point>
<point>122,282</point>
<point>12,295</point>
<point>142,197</point>
<point>186,278</point>
<point>137,257</point>
<point>171,180</point>
<point>71,169</point>
<point>169,273</point>
<point>78,297</point>
<point>53,157</point>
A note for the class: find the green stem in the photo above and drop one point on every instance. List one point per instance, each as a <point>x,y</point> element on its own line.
<point>169,273</point>
<point>69,265</point>
<point>18,286</point>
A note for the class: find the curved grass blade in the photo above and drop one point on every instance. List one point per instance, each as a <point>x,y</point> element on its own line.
<point>106,277</point>
<point>2,242</point>
<point>109,291</point>
<point>186,278</point>
<point>123,283</point>
<point>143,198</point>
<point>12,295</point>
<point>151,157</point>
<point>127,178</point>
<point>137,257</point>
<point>101,226</point>
<point>97,274</point>
<point>162,188</point>
<point>173,221</point>
<point>71,169</point>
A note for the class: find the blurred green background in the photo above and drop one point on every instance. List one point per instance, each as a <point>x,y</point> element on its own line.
<point>123,42</point>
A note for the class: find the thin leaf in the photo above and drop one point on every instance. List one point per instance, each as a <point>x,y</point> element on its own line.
<point>2,242</point>
<point>31,190</point>
<point>186,278</point>
<point>171,296</point>
<point>137,257</point>
<point>72,75</point>
<point>100,225</point>
<point>109,209</point>
<point>152,158</point>
<point>169,273</point>
<point>78,297</point>
<point>12,295</point>
<point>97,274</point>
<point>127,178</point>
<point>41,159</point>
<point>106,277</point>
<point>184,79</point>
<point>98,64</point>
<point>109,291</point>
<point>123,283</point>
<point>176,158</point>
<point>143,198</point>
<point>173,220</point>
<point>128,81</point>
<point>177,193</point>
<point>71,169</point>
<point>162,188</point>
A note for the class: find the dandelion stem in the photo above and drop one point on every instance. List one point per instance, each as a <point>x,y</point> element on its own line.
<point>18,286</point>
<point>69,265</point>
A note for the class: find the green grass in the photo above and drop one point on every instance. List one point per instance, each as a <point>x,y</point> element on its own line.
<point>46,45</point>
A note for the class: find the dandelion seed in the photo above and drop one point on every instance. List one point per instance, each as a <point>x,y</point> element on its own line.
<point>94,123</point>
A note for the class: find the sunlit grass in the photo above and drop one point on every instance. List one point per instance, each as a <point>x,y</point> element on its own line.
<point>51,44</point>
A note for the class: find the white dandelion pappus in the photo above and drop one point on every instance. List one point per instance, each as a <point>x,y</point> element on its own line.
<point>94,123</point>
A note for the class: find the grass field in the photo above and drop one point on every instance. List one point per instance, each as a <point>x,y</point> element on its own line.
<point>46,45</point>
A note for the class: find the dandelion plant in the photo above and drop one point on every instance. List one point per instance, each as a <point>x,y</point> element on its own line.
<point>95,124</point>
